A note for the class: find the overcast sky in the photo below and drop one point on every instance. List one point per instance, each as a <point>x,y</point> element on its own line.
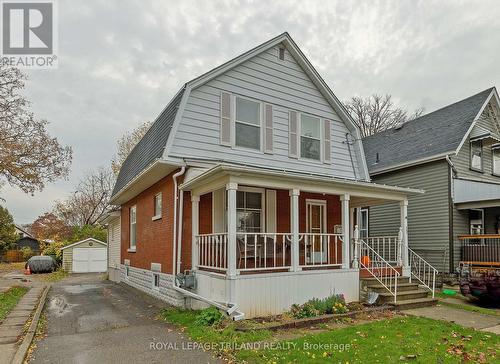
<point>121,61</point>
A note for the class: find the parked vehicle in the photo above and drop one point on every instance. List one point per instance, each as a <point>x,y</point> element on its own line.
<point>41,264</point>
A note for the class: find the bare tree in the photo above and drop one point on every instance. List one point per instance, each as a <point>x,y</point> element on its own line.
<point>126,143</point>
<point>88,203</point>
<point>377,113</point>
<point>29,156</point>
<point>48,227</point>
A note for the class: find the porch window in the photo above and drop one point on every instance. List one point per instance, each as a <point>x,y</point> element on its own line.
<point>310,137</point>
<point>363,223</point>
<point>157,206</point>
<point>248,212</point>
<point>495,152</point>
<point>476,155</point>
<point>247,123</point>
<point>133,227</point>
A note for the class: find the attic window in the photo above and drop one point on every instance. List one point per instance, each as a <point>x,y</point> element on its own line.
<point>281,54</point>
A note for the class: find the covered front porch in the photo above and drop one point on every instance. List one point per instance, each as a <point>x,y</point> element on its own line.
<point>263,236</point>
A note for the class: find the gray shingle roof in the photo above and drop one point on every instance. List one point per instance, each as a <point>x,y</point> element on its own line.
<point>430,135</point>
<point>150,147</point>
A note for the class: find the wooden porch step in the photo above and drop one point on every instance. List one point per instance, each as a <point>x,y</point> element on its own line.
<point>372,281</point>
<point>402,287</point>
<point>386,297</point>
<point>414,303</point>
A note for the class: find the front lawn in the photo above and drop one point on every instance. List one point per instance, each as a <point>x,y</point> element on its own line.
<point>388,341</point>
<point>9,300</point>
<point>395,340</point>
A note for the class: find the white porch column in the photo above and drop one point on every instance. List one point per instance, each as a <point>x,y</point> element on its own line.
<point>345,230</point>
<point>355,258</point>
<point>195,221</point>
<point>231,229</point>
<point>294,227</point>
<point>404,225</point>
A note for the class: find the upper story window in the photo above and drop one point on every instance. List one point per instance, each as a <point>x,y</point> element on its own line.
<point>476,155</point>
<point>495,152</point>
<point>247,123</point>
<point>310,137</point>
<point>157,206</point>
<point>133,227</point>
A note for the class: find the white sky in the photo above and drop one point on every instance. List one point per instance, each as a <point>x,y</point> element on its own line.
<point>120,62</point>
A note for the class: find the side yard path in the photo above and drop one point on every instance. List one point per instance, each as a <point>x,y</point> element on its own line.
<point>20,302</point>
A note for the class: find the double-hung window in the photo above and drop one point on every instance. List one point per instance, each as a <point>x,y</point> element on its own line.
<point>157,206</point>
<point>476,155</point>
<point>133,227</point>
<point>310,137</point>
<point>363,223</point>
<point>249,212</point>
<point>247,123</point>
<point>495,155</point>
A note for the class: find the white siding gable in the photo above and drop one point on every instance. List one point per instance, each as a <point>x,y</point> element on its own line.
<point>285,86</point>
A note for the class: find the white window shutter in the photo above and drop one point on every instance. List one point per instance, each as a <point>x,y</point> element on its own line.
<point>268,129</point>
<point>293,137</point>
<point>225,118</point>
<point>327,154</point>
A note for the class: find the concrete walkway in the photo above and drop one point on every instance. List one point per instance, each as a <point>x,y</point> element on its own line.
<point>12,328</point>
<point>464,318</point>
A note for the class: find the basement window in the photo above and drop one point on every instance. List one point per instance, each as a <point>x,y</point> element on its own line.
<point>156,281</point>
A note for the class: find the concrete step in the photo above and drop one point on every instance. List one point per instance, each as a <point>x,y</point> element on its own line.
<point>402,287</point>
<point>372,281</point>
<point>414,303</point>
<point>386,297</point>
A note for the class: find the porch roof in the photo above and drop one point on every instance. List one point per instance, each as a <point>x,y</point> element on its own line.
<point>363,193</point>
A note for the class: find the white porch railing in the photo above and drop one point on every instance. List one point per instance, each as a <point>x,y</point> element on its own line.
<point>378,267</point>
<point>263,251</point>
<point>320,249</point>
<point>422,271</point>
<point>212,251</point>
<point>388,247</point>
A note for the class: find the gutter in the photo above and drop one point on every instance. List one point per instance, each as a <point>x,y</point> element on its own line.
<point>230,308</point>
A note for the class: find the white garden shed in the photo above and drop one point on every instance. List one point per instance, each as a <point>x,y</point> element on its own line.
<point>85,256</point>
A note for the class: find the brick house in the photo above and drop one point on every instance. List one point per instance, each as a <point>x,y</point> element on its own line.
<point>254,179</point>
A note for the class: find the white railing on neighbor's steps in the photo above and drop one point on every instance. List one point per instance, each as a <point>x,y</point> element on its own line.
<point>376,265</point>
<point>422,271</point>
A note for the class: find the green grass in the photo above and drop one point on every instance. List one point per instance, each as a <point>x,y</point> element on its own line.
<point>471,308</point>
<point>414,339</point>
<point>9,300</point>
<point>54,276</point>
<point>217,336</point>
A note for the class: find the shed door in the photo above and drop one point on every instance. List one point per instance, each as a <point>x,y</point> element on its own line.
<point>89,260</point>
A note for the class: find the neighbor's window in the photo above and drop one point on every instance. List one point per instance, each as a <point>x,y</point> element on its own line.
<point>248,212</point>
<point>476,155</point>
<point>133,226</point>
<point>310,142</point>
<point>157,207</point>
<point>156,280</point>
<point>496,160</point>
<point>247,123</point>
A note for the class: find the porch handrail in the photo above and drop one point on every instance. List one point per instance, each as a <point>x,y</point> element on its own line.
<point>331,252</point>
<point>379,268</point>
<point>388,246</point>
<point>259,253</point>
<point>212,250</point>
<point>423,271</point>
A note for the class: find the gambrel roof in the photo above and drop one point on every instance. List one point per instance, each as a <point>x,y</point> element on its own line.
<point>155,145</point>
<point>432,136</point>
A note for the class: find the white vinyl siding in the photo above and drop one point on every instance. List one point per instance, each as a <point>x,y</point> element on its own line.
<point>284,86</point>
<point>114,241</point>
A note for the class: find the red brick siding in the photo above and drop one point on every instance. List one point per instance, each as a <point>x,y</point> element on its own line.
<point>154,238</point>
<point>205,226</point>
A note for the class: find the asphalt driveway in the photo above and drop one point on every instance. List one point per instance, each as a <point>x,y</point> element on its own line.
<point>90,320</point>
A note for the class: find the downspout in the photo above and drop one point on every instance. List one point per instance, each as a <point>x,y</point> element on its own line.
<point>229,308</point>
<point>452,172</point>
<point>179,234</point>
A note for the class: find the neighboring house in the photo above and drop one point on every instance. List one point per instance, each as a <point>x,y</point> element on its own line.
<point>26,239</point>
<point>22,232</point>
<point>454,155</point>
<point>113,225</point>
<point>250,178</point>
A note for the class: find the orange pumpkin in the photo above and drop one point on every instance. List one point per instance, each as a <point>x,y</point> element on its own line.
<point>365,260</point>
